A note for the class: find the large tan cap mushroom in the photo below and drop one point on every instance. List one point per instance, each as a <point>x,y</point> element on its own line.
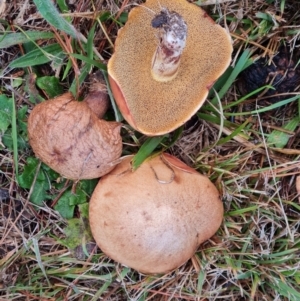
<point>153,219</point>
<point>70,138</point>
<point>167,57</point>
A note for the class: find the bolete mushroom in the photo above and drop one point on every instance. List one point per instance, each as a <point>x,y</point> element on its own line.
<point>154,218</point>
<point>70,138</point>
<point>167,57</point>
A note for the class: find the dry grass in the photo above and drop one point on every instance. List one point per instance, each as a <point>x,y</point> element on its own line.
<point>254,255</point>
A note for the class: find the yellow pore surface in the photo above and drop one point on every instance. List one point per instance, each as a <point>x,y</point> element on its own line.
<point>160,107</point>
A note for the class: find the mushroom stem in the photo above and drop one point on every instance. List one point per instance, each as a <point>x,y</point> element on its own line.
<point>172,38</point>
<point>97,97</point>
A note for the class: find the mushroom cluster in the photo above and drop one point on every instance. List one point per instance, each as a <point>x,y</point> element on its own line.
<point>153,219</point>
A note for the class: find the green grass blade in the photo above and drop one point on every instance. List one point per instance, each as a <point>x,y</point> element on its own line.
<point>53,17</point>
<point>285,290</point>
<point>282,6</point>
<point>175,136</point>
<point>89,61</point>
<point>101,290</point>
<point>215,119</point>
<point>68,67</point>
<point>282,253</point>
<point>236,132</point>
<point>38,258</point>
<point>235,103</point>
<point>220,82</point>
<point>265,109</point>
<point>6,109</point>
<point>201,280</point>
<point>279,138</point>
<point>90,41</point>
<point>84,72</point>
<point>38,56</point>
<point>63,8</point>
<point>242,211</point>
<point>146,150</point>
<point>14,135</point>
<point>240,66</point>
<point>12,39</point>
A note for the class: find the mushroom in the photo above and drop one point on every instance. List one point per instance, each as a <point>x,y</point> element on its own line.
<point>167,57</point>
<point>70,138</point>
<point>154,218</point>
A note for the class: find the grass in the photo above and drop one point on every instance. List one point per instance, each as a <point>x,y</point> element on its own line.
<point>247,147</point>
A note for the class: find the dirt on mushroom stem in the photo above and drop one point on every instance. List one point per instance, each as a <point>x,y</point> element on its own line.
<point>172,40</point>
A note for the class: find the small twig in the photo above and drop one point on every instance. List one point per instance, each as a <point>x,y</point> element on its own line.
<point>213,2</point>
<point>66,186</point>
<point>10,88</point>
<point>67,47</point>
<point>111,292</point>
<point>270,52</point>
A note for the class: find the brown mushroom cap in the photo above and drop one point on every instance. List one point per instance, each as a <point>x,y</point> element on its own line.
<point>153,219</point>
<point>67,136</point>
<point>154,107</point>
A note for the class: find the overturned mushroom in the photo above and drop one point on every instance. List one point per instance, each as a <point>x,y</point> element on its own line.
<point>154,219</point>
<point>70,138</point>
<point>167,57</point>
